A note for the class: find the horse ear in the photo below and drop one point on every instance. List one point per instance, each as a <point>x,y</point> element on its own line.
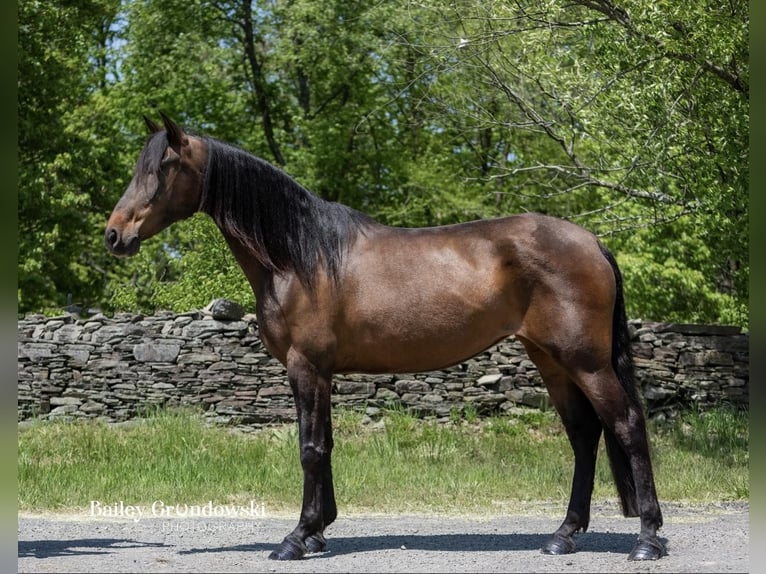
<point>176,135</point>
<point>151,126</point>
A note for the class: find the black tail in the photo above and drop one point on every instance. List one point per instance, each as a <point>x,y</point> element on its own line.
<point>622,363</point>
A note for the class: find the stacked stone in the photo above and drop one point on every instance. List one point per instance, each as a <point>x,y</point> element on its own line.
<point>122,367</point>
<point>700,366</point>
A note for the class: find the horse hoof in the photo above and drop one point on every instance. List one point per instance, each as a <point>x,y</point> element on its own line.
<point>288,550</point>
<point>651,549</point>
<point>558,545</point>
<point>316,543</point>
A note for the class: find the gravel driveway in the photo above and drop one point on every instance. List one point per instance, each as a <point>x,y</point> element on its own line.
<point>711,538</point>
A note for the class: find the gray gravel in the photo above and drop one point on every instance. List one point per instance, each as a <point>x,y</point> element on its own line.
<point>711,538</point>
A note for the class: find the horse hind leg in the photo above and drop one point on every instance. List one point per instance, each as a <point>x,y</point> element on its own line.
<point>628,449</point>
<point>588,339</point>
<point>583,429</point>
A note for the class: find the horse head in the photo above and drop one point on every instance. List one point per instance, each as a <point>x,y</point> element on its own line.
<point>166,187</point>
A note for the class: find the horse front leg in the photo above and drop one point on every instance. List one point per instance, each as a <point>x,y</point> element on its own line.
<point>311,390</point>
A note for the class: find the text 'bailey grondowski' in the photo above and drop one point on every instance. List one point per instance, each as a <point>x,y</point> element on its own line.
<point>158,508</point>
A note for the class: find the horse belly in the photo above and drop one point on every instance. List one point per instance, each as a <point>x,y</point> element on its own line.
<point>408,333</point>
<point>420,300</point>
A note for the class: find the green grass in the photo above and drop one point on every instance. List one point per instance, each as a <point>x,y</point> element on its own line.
<point>405,465</point>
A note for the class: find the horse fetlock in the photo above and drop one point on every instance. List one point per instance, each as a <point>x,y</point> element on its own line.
<point>574,522</point>
<point>316,543</point>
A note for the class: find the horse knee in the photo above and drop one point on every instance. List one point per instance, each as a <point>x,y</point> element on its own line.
<point>312,455</point>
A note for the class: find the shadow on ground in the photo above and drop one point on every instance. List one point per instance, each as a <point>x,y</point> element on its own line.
<point>589,542</point>
<point>79,547</point>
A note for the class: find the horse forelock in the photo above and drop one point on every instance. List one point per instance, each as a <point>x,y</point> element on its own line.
<point>151,156</point>
<point>283,225</point>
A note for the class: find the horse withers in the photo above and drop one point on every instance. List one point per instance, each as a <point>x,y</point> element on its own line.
<point>337,292</point>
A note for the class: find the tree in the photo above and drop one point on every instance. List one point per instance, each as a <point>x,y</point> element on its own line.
<point>61,158</point>
<point>296,76</point>
<point>631,120</point>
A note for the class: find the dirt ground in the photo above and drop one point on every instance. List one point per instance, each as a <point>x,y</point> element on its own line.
<point>710,538</point>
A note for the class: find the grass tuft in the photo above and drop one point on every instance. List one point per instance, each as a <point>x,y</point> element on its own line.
<point>402,464</point>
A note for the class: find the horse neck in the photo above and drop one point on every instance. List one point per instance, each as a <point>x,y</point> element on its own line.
<point>276,226</point>
<point>256,273</point>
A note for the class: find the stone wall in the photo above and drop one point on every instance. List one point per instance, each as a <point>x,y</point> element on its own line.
<point>116,368</point>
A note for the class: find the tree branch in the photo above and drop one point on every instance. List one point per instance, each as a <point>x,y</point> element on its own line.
<point>621,17</point>
<point>260,96</point>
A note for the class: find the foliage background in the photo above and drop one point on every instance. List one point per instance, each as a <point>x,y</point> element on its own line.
<point>630,118</point>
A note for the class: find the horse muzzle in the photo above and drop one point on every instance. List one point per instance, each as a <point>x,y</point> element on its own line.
<point>120,245</point>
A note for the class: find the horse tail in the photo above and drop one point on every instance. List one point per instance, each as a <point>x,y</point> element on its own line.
<point>622,363</point>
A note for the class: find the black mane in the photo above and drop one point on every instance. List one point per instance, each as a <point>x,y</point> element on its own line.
<point>282,224</point>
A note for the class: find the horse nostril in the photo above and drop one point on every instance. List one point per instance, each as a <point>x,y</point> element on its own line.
<point>112,238</point>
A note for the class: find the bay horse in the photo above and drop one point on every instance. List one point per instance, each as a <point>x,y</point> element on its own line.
<point>337,292</point>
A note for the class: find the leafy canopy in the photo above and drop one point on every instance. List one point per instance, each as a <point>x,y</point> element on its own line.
<point>629,118</point>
